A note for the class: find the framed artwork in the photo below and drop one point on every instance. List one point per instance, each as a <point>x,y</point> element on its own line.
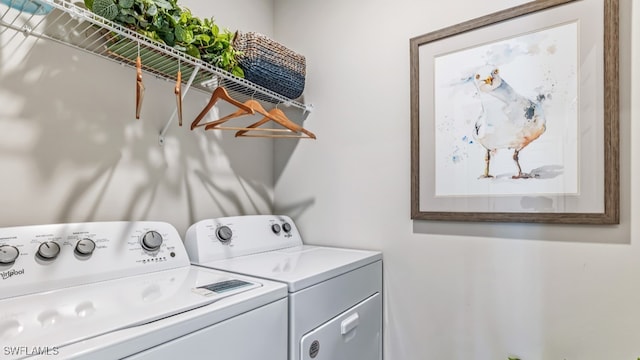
<point>514,116</point>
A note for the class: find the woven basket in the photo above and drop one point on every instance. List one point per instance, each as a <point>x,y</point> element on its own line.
<point>271,65</point>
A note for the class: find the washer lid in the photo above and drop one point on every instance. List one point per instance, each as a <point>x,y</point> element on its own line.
<point>61,317</point>
<point>300,266</point>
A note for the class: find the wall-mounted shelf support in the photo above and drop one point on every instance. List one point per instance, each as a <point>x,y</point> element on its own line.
<point>308,108</point>
<point>175,111</point>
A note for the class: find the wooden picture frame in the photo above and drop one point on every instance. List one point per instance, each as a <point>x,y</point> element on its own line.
<point>515,116</point>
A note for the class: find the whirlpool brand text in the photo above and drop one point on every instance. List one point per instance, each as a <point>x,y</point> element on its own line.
<point>9,273</point>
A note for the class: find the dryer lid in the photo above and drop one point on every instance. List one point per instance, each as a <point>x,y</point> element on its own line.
<point>299,267</point>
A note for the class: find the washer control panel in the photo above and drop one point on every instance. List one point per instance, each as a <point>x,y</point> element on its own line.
<point>41,257</point>
<point>228,237</point>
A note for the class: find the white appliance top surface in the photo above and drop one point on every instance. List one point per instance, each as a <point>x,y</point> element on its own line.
<point>299,267</point>
<point>65,316</point>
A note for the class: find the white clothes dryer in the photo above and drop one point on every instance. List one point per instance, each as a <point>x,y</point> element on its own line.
<point>126,290</point>
<point>335,294</point>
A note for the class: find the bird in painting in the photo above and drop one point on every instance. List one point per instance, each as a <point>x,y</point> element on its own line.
<point>508,120</point>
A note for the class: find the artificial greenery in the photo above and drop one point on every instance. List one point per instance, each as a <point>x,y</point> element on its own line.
<point>167,22</point>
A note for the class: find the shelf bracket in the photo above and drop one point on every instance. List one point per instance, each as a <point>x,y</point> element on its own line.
<point>175,111</point>
<point>307,110</point>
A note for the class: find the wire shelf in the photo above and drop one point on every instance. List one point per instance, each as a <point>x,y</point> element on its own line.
<point>66,23</point>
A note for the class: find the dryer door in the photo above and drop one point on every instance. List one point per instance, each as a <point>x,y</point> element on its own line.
<point>356,334</point>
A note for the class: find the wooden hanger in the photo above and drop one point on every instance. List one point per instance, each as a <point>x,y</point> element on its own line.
<point>294,130</point>
<point>275,115</point>
<point>219,93</point>
<point>139,87</point>
<point>252,104</point>
<point>178,92</point>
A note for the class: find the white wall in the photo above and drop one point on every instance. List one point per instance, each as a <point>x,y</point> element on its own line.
<point>452,291</point>
<point>71,149</point>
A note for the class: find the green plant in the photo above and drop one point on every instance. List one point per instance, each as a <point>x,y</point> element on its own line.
<point>165,21</point>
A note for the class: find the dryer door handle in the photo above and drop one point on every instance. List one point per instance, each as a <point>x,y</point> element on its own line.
<point>349,323</point>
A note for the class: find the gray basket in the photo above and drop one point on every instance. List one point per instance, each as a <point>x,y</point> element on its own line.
<point>270,64</point>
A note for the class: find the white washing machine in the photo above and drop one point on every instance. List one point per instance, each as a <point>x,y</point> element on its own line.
<point>335,294</point>
<point>114,290</point>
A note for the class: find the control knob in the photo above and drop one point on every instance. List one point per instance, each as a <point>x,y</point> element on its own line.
<point>85,247</point>
<point>224,234</point>
<point>286,227</point>
<point>48,250</point>
<point>151,241</point>
<point>8,254</point>
<point>275,228</point>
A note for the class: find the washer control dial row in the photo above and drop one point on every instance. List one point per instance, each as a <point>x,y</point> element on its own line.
<point>47,250</point>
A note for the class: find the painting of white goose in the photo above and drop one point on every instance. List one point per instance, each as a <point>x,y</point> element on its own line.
<point>508,120</point>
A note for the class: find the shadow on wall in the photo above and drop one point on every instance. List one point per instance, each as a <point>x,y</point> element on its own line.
<point>282,152</point>
<point>286,148</point>
<point>550,232</point>
<point>79,111</point>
